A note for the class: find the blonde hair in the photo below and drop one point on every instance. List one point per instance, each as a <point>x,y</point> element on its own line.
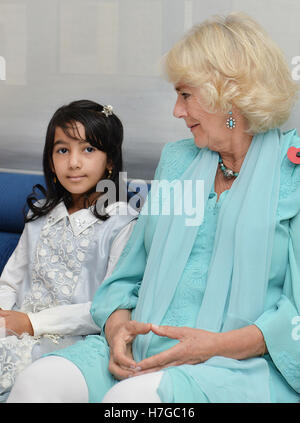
<point>235,63</point>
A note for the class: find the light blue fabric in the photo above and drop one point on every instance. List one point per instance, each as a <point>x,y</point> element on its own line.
<point>272,378</point>
<point>232,274</point>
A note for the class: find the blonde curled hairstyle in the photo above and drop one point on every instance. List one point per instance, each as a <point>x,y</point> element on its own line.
<point>235,63</point>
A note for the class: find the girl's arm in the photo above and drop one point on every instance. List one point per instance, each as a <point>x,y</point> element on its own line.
<point>75,319</point>
<point>13,273</point>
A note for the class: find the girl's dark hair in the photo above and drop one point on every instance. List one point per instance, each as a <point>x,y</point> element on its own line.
<point>103,132</point>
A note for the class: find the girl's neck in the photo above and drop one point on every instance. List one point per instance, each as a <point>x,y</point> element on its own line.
<point>81,202</point>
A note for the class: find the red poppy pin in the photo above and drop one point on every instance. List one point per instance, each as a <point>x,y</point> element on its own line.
<point>294,155</point>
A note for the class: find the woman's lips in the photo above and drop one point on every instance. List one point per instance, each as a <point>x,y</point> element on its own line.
<point>194,126</point>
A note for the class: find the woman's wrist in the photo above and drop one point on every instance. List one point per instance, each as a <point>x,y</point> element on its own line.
<point>115,321</point>
<point>241,343</point>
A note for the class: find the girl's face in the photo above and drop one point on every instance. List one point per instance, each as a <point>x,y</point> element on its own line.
<point>77,164</point>
<point>209,129</point>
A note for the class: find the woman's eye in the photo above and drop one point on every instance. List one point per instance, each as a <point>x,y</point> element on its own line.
<point>89,149</point>
<point>185,95</point>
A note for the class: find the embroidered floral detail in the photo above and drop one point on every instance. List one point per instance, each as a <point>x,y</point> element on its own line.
<point>175,158</point>
<point>188,297</point>
<point>86,353</point>
<point>290,368</point>
<point>57,266</point>
<point>289,178</point>
<point>15,355</point>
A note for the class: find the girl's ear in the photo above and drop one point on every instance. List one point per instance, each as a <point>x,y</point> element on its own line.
<point>109,166</point>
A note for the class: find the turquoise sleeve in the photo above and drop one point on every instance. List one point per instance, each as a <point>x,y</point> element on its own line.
<point>121,289</point>
<point>281,324</point>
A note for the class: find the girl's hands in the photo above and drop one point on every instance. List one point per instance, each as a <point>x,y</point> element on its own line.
<point>194,346</point>
<point>121,363</point>
<point>16,322</point>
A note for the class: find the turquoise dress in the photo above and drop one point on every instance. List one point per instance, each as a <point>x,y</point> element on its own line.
<point>280,322</point>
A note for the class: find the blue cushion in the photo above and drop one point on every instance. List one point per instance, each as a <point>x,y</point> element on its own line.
<point>8,242</point>
<point>14,189</point>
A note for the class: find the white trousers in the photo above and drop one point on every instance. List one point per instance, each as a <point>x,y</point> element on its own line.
<point>54,379</point>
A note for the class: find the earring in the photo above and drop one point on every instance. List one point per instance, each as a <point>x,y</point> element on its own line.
<point>54,179</point>
<point>230,122</point>
<point>109,173</point>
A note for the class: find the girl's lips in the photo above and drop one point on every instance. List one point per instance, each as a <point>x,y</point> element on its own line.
<point>194,126</point>
<point>75,178</point>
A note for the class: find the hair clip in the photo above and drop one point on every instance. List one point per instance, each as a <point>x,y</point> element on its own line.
<point>107,110</point>
<point>293,154</point>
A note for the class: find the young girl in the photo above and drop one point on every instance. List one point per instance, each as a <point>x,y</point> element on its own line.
<point>68,247</point>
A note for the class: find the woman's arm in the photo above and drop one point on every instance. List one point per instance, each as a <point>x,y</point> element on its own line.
<point>279,324</point>
<point>242,343</point>
<point>197,346</point>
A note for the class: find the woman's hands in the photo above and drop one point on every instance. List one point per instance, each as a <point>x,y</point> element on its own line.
<point>198,345</point>
<point>120,332</point>
<point>16,322</point>
<point>121,363</point>
<point>194,346</point>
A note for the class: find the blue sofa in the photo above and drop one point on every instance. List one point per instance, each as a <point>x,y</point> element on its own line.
<point>14,189</point>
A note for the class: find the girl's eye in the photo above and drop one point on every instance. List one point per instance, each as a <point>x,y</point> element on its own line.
<point>62,150</point>
<point>90,149</point>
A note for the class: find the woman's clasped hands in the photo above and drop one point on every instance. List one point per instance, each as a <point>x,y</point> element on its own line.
<point>194,346</point>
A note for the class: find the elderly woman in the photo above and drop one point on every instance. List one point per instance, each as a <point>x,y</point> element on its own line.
<point>207,312</point>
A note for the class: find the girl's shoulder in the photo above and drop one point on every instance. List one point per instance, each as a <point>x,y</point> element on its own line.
<point>121,208</point>
<point>38,204</point>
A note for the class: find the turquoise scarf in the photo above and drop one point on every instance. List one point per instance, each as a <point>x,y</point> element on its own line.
<point>238,274</point>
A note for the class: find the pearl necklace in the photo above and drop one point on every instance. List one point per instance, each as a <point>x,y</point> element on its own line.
<point>228,173</point>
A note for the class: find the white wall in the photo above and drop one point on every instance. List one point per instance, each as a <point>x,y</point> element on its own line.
<point>57,51</point>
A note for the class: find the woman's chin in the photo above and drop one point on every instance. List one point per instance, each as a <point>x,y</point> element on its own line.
<point>201,143</point>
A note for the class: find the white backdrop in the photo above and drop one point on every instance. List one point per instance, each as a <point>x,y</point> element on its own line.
<point>109,51</point>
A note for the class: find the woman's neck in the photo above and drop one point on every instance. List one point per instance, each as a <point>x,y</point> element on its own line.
<point>235,152</point>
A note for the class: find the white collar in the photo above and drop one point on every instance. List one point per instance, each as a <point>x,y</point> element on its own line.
<point>84,218</point>
<point>79,220</point>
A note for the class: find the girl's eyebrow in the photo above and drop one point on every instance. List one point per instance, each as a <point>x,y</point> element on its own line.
<point>60,142</point>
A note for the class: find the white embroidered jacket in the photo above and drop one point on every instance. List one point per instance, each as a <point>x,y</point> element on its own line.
<point>59,263</point>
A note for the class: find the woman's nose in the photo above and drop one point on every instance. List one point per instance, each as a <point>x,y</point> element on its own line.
<point>179,109</point>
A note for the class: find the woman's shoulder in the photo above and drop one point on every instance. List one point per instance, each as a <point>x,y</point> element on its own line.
<point>289,168</point>
<point>176,156</point>
<point>186,147</point>
<point>289,139</point>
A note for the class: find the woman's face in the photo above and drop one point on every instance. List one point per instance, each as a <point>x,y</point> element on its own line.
<point>209,129</point>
